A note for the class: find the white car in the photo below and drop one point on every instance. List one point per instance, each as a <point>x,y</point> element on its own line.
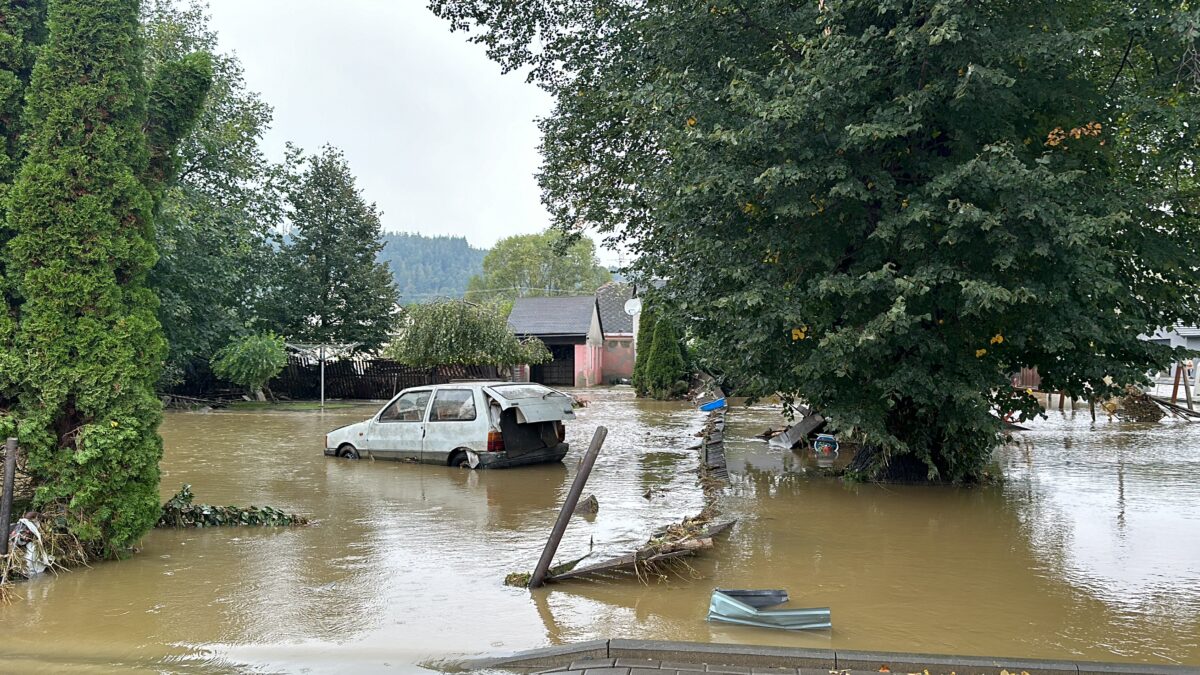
<point>470,424</point>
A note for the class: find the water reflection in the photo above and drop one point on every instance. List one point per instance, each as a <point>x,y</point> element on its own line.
<point>1090,548</point>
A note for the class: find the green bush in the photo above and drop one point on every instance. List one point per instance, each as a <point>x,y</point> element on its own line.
<point>455,332</point>
<point>665,375</point>
<point>251,361</point>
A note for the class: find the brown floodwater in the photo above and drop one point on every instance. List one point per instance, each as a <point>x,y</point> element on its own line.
<point>1089,549</point>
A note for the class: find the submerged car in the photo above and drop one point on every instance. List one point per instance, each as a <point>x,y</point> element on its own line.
<point>475,425</point>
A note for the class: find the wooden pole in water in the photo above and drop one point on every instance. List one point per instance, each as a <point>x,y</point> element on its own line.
<point>1187,385</point>
<point>10,476</point>
<point>1175,389</point>
<point>568,509</point>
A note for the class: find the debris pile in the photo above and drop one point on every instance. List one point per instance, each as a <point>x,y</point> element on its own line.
<point>1138,406</point>
<point>678,540</point>
<point>37,543</point>
<point>179,511</point>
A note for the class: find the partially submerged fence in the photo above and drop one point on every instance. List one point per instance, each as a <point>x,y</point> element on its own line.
<point>365,378</point>
<point>360,377</point>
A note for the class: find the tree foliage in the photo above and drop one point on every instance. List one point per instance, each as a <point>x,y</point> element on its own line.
<point>87,339</point>
<point>214,228</point>
<point>427,269</point>
<point>454,332</point>
<point>251,361</point>
<point>538,265</point>
<point>884,207</point>
<point>330,288</point>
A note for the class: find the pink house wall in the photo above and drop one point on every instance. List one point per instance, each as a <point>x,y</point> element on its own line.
<point>588,363</point>
<point>618,358</point>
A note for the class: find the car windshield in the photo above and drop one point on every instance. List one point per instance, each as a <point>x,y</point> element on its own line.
<point>516,391</point>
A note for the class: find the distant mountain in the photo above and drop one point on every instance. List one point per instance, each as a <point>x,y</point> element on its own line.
<point>426,268</point>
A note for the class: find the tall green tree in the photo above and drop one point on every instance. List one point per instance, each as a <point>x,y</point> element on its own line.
<point>645,340</point>
<point>22,31</point>
<point>100,148</point>
<point>331,288</point>
<point>664,374</point>
<point>215,227</point>
<point>538,265</point>
<point>885,207</point>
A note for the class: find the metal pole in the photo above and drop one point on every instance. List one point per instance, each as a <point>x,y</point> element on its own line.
<point>322,378</point>
<point>10,475</point>
<point>568,509</point>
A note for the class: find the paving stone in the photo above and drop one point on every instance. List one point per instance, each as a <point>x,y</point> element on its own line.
<point>724,654</point>
<point>606,671</point>
<point>638,663</point>
<point>774,671</point>
<point>680,665</point>
<point>737,670</point>
<point>1086,668</point>
<point>584,664</point>
<point>647,671</point>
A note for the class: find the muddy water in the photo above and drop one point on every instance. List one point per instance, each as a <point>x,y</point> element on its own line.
<point>1089,549</point>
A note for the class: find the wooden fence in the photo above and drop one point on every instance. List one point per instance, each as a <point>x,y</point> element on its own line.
<point>365,378</point>
<point>362,378</point>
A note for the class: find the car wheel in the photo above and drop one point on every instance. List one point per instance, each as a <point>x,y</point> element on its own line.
<point>459,460</point>
<point>347,452</point>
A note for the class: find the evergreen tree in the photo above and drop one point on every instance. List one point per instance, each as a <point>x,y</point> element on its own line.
<point>333,288</point>
<point>428,268</point>
<point>88,340</point>
<point>22,30</point>
<point>645,340</point>
<point>664,375</point>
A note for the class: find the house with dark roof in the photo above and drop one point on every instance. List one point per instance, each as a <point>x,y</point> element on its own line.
<point>571,328</point>
<point>619,348</point>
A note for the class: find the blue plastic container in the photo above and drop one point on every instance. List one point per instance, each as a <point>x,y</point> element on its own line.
<point>713,405</point>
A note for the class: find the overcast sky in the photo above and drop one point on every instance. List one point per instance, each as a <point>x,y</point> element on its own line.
<point>437,136</point>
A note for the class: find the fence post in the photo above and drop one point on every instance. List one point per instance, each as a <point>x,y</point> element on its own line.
<point>10,475</point>
<point>568,509</point>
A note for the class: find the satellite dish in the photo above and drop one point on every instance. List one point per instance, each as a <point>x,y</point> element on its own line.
<point>633,306</point>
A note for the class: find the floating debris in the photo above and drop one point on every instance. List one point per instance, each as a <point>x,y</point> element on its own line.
<point>180,512</point>
<point>1138,406</point>
<point>724,607</point>
<point>588,506</point>
<point>679,540</point>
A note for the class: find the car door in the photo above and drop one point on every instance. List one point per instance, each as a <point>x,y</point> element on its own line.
<point>398,429</point>
<point>456,420</point>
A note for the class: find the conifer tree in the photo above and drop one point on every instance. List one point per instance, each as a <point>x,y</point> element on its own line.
<point>334,289</point>
<point>645,340</point>
<point>81,210</point>
<point>665,368</point>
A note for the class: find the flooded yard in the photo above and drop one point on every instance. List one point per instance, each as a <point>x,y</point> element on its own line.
<point>1090,548</point>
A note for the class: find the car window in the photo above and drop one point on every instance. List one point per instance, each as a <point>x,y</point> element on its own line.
<point>513,392</point>
<point>408,408</point>
<point>453,405</point>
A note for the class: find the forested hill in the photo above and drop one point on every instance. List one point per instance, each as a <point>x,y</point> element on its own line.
<point>428,267</point>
